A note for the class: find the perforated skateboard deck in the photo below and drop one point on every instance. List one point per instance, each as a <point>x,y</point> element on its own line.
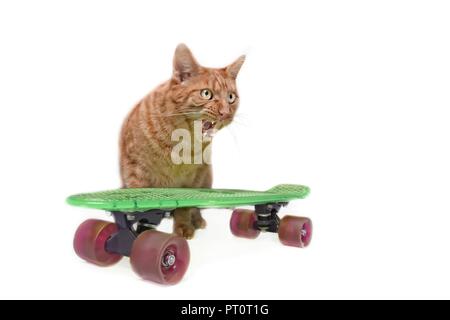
<point>164,257</point>
<point>135,200</point>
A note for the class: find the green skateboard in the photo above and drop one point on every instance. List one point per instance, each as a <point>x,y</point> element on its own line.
<point>162,257</point>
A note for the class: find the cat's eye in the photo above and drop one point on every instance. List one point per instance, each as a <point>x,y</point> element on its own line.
<point>206,94</point>
<point>231,98</point>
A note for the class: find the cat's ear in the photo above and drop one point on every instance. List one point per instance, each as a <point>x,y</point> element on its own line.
<point>233,69</point>
<point>184,63</point>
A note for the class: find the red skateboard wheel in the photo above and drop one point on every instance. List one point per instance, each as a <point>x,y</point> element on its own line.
<point>295,231</point>
<point>242,224</point>
<point>90,241</point>
<point>160,257</point>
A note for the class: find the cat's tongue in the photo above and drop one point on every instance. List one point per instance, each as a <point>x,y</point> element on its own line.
<point>208,128</point>
<point>207,125</point>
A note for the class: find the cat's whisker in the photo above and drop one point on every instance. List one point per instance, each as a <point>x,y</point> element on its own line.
<point>240,116</point>
<point>232,133</point>
<point>237,122</point>
<point>162,115</point>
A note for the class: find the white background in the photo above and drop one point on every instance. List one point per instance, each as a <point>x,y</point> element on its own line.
<point>348,97</point>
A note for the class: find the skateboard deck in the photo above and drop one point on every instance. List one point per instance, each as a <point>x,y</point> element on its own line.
<point>143,199</point>
<point>164,257</point>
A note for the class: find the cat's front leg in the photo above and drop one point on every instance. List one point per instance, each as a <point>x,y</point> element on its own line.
<point>197,220</point>
<point>182,224</point>
<point>204,181</point>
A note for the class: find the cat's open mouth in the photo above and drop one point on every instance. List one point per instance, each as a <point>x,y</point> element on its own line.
<point>208,128</point>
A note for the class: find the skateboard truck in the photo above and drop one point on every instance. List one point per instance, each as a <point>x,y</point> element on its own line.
<point>267,217</point>
<point>130,226</point>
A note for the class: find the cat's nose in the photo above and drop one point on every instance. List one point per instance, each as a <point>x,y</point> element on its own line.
<point>224,113</point>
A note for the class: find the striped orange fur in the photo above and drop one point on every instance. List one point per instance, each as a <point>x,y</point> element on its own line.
<point>194,93</point>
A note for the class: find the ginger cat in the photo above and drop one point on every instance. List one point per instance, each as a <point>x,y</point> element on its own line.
<point>194,93</point>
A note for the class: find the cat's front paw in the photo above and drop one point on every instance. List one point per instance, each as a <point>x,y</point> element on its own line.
<point>198,221</point>
<point>185,230</point>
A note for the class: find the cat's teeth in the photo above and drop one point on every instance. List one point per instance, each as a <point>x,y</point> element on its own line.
<point>209,128</point>
<point>208,125</point>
